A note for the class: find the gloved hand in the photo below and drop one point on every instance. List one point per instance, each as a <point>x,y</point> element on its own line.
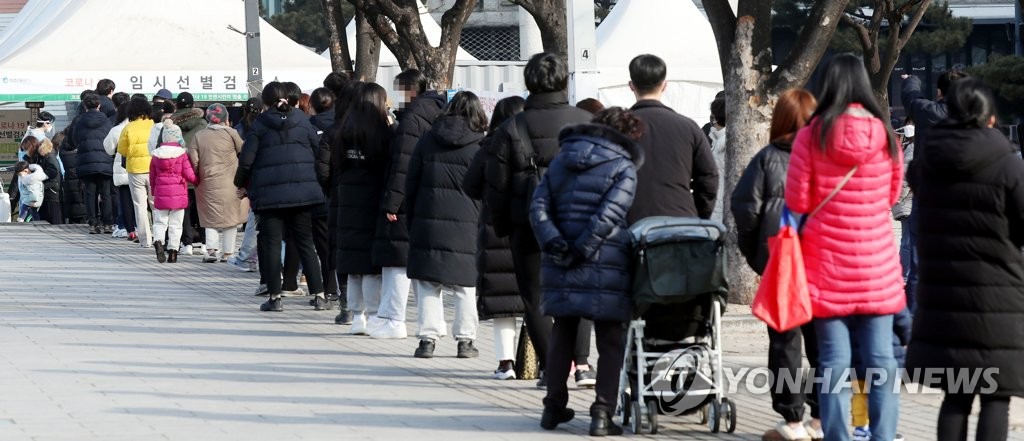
<point>561,253</point>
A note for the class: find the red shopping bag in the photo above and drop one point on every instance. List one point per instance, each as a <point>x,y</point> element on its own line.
<point>782,300</point>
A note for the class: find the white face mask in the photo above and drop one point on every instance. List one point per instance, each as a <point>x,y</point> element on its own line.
<point>908,131</point>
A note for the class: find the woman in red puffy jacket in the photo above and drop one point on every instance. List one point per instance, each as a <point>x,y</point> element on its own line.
<point>853,269</point>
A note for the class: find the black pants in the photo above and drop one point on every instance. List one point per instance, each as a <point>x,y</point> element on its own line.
<point>273,224</point>
<point>124,194</point>
<point>526,258</point>
<point>98,205</point>
<point>50,210</point>
<point>611,345</point>
<point>785,361</point>
<point>332,241</point>
<point>189,233</point>
<point>321,242</point>
<point>993,420</point>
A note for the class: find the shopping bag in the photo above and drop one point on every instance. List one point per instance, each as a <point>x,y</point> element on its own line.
<point>783,300</point>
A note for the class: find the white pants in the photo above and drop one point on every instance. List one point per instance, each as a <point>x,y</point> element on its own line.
<point>394,293</point>
<point>431,310</point>
<point>364,294</point>
<point>168,222</point>
<point>222,239</point>
<point>142,200</point>
<point>505,338</point>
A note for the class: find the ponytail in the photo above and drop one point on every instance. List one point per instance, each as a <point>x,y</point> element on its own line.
<point>275,96</point>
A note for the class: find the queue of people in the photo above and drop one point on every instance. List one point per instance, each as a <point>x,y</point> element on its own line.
<point>526,215</point>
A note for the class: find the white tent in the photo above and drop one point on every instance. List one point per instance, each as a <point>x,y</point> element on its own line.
<point>674,30</point>
<point>430,28</point>
<point>56,48</point>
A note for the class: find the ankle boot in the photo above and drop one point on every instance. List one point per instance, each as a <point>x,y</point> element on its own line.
<point>172,256</point>
<point>161,252</point>
<point>601,424</point>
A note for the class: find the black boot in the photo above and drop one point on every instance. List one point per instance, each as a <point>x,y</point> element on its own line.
<point>554,416</point>
<point>601,424</point>
<point>172,256</point>
<point>161,252</point>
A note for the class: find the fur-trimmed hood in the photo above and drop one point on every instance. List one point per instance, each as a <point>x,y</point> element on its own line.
<point>168,151</point>
<point>594,144</point>
<point>187,119</point>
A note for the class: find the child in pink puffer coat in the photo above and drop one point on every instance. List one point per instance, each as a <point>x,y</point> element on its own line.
<point>170,172</point>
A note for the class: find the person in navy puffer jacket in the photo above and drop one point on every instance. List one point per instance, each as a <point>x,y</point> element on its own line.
<point>579,217</point>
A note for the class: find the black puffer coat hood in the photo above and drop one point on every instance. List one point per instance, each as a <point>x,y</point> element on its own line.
<point>442,217</point>
<point>969,189</point>
<point>91,129</point>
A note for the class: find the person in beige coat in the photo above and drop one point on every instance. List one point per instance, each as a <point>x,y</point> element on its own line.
<point>213,152</point>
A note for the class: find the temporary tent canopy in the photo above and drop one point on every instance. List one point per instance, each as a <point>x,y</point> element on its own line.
<point>674,30</point>
<point>430,28</point>
<point>56,48</point>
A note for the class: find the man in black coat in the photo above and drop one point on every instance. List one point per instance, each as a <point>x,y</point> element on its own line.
<point>105,90</point>
<point>680,178</point>
<point>391,244</point>
<point>513,171</point>
<point>95,167</point>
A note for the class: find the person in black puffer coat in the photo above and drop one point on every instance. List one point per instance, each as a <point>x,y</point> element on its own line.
<point>969,187</point>
<point>496,292</point>
<point>358,165</point>
<point>322,102</point>
<point>391,245</point>
<point>95,167</point>
<point>41,153</point>
<point>443,224</point>
<point>277,166</point>
<point>511,178</point>
<point>756,205</point>
<point>579,217</point>
<point>72,193</point>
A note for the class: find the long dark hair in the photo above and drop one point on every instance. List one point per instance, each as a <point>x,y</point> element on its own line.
<point>345,99</point>
<point>505,109</point>
<point>275,96</point>
<point>467,105</point>
<point>366,128</point>
<point>250,111</point>
<point>846,82</point>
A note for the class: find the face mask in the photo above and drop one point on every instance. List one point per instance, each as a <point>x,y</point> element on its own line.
<point>908,131</point>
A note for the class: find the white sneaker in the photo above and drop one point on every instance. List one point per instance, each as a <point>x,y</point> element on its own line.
<point>792,434</point>
<point>210,257</point>
<point>374,323</point>
<point>185,250</point>
<point>509,374</point>
<point>123,235</point>
<point>358,325</point>
<point>202,250</point>
<point>297,293</point>
<point>390,329</point>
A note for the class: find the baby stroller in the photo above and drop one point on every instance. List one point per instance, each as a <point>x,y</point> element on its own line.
<point>673,356</point>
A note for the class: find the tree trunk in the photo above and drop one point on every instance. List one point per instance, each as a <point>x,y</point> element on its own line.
<point>367,49</point>
<point>551,19</point>
<point>337,43</point>
<point>749,107</point>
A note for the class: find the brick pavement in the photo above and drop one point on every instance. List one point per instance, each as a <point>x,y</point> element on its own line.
<point>103,343</point>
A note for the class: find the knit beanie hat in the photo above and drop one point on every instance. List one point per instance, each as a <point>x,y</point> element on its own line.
<point>171,133</point>
<point>217,113</point>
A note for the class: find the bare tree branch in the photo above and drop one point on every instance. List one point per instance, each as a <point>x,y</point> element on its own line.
<point>810,45</point>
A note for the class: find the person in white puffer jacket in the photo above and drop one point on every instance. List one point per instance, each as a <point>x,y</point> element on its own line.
<point>126,212</point>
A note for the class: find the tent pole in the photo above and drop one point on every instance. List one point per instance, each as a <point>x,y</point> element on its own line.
<point>252,48</point>
<point>584,75</point>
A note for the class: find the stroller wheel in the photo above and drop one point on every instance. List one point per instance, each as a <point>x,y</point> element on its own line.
<point>714,415</point>
<point>729,413</point>
<point>652,416</point>
<point>625,407</point>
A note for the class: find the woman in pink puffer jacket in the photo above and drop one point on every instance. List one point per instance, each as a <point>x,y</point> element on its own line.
<point>853,268</point>
<point>170,172</point>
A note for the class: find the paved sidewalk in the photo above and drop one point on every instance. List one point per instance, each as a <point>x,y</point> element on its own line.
<point>100,342</point>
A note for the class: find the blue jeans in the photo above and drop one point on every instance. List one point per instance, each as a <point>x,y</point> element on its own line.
<point>874,336</point>
<point>908,258</point>
<point>247,252</point>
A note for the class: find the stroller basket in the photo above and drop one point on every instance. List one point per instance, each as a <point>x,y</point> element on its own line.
<point>677,260</point>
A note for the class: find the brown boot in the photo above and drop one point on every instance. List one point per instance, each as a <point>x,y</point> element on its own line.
<point>172,256</point>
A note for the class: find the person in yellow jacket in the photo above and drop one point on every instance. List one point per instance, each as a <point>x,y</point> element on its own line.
<point>132,145</point>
